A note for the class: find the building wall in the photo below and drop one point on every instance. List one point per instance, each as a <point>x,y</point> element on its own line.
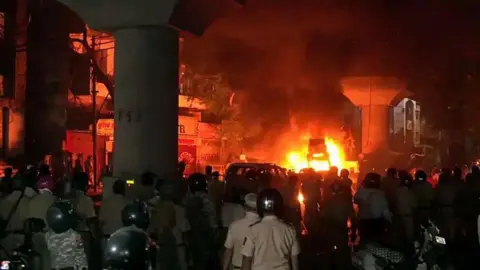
<point>408,124</point>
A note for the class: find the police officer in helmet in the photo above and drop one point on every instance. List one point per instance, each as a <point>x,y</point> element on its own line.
<point>270,236</point>
<point>270,202</point>
<point>65,245</point>
<point>136,213</point>
<point>127,249</point>
<point>61,217</point>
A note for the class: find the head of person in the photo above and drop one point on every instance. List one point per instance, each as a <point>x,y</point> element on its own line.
<point>392,173</point>
<point>344,173</point>
<point>136,214</point>
<point>444,177</point>
<point>44,170</point>
<point>8,172</point>
<point>119,187</point>
<point>420,175</point>
<point>251,202</point>
<point>372,180</point>
<point>475,171</point>
<point>405,178</point>
<point>457,172</point>
<point>127,249</point>
<point>270,203</point>
<point>80,181</point>
<point>147,179</point>
<point>61,217</point>
<point>208,170</point>
<point>197,182</point>
<point>333,171</point>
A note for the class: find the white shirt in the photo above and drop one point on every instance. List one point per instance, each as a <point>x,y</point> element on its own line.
<point>232,212</point>
<point>237,232</point>
<point>271,243</point>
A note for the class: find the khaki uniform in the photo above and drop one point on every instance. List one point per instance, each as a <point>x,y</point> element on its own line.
<point>237,232</point>
<point>271,243</point>
<point>163,221</point>
<point>16,223</point>
<point>406,204</point>
<point>110,216</point>
<point>445,196</point>
<point>424,195</point>
<point>38,207</point>
<point>84,208</point>
<point>216,192</point>
<point>181,228</point>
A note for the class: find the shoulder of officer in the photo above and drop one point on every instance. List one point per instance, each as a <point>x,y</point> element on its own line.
<point>255,223</point>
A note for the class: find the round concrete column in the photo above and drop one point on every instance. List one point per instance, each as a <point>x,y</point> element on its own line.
<point>146,101</point>
<point>373,95</point>
<point>375,120</point>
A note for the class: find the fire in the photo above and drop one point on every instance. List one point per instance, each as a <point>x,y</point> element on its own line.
<point>297,159</point>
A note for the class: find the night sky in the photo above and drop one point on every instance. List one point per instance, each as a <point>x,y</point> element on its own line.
<point>301,49</point>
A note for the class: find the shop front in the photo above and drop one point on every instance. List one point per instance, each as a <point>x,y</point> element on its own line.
<point>79,143</point>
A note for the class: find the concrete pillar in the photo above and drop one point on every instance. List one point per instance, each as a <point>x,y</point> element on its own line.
<point>146,81</point>
<point>373,95</point>
<point>146,100</point>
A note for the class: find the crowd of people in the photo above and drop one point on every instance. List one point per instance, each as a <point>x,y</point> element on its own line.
<point>188,224</point>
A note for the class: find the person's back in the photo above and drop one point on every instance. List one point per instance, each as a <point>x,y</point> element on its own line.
<point>16,206</point>
<point>238,230</point>
<point>66,250</point>
<point>424,193</point>
<point>278,239</point>
<point>110,211</point>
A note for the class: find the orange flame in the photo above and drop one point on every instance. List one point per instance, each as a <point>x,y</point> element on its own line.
<point>297,159</point>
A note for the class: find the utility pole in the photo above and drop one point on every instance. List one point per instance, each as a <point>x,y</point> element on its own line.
<point>94,122</point>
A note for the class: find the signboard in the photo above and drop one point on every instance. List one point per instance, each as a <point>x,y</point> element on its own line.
<point>105,127</point>
<point>186,126</point>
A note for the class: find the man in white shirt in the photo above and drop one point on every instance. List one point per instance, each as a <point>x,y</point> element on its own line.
<point>237,231</point>
<point>270,242</point>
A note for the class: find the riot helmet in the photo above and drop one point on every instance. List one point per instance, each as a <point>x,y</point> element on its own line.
<point>270,202</point>
<point>197,182</point>
<point>127,249</point>
<point>136,213</point>
<point>420,175</point>
<point>61,216</point>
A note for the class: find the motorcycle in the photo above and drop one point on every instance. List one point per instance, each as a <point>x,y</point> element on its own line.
<point>430,254</point>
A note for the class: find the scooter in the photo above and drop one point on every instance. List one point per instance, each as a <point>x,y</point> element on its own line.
<point>430,254</point>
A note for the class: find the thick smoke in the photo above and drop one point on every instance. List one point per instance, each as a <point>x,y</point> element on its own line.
<point>287,57</point>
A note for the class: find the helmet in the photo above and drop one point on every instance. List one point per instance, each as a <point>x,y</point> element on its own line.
<point>127,248</point>
<point>136,213</point>
<point>420,175</point>
<point>61,216</point>
<point>197,182</point>
<point>372,180</point>
<point>270,201</point>
<point>46,182</point>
